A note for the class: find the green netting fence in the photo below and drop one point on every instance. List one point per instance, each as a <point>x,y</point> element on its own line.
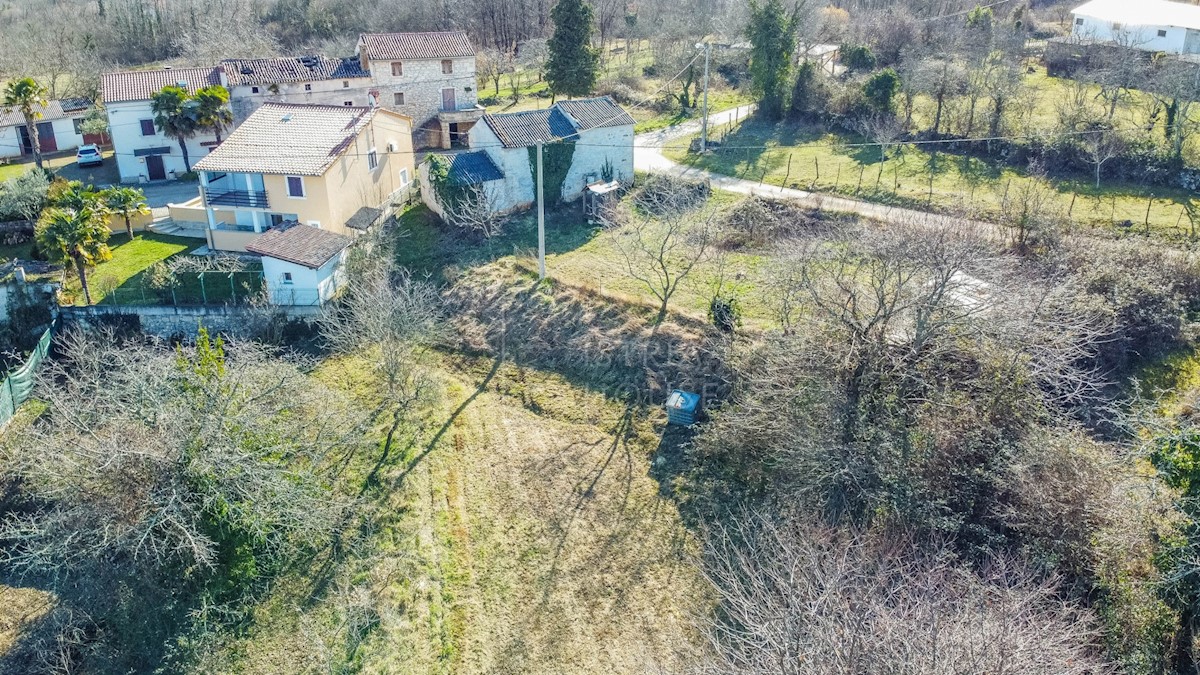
<point>18,385</point>
<point>191,288</point>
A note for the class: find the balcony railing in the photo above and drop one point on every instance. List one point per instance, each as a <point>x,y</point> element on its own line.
<point>246,199</point>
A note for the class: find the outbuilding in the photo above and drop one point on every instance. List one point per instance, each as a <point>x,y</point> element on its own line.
<point>302,265</point>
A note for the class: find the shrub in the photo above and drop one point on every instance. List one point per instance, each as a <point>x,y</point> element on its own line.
<point>661,194</point>
<point>725,313</point>
<point>857,57</point>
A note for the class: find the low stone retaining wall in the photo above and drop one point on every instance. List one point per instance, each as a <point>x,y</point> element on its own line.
<point>182,322</point>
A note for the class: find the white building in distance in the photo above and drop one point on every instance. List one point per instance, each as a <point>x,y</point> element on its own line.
<point>1150,25</point>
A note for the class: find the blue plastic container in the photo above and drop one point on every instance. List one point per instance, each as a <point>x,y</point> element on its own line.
<point>682,407</point>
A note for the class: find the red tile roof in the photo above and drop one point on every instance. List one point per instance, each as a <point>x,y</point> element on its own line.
<point>384,46</point>
<point>142,85</point>
<point>300,244</point>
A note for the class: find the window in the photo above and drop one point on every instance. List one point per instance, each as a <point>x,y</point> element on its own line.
<point>1162,33</point>
<point>253,90</point>
<point>372,159</point>
<point>345,84</point>
<point>287,278</point>
<point>1116,26</point>
<point>78,124</point>
<point>397,69</point>
<point>403,177</point>
<point>398,98</point>
<point>295,187</point>
<point>147,127</point>
<point>1079,22</point>
<point>447,66</point>
<point>348,103</point>
<point>308,87</point>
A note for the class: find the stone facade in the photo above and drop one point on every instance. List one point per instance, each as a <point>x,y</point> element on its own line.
<point>424,87</point>
<point>182,322</point>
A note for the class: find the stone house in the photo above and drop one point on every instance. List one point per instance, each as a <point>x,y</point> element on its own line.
<point>302,79</point>
<point>598,130</point>
<point>427,76</point>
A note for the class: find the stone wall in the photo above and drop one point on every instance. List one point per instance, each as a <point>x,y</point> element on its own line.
<point>182,322</point>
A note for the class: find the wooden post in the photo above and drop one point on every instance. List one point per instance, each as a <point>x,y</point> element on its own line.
<point>1149,204</point>
<point>817,164</point>
<point>788,175</point>
<point>1072,207</point>
<point>862,169</point>
<point>837,179</point>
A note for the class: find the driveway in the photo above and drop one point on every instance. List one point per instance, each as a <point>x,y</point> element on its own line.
<point>647,156</point>
<point>158,195</point>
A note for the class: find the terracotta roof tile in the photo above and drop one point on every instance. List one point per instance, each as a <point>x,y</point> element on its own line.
<point>142,85</point>
<point>300,244</point>
<point>290,139</point>
<point>384,46</point>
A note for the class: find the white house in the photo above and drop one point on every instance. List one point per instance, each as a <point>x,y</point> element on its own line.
<point>1150,25</point>
<point>428,76</point>
<point>143,152</point>
<point>600,131</point>
<point>59,128</point>
<point>302,265</point>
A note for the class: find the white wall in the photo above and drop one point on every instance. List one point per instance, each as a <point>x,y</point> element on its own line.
<point>1141,37</point>
<point>124,124</point>
<point>595,147</point>
<point>517,189</point>
<point>309,286</point>
<point>64,135</point>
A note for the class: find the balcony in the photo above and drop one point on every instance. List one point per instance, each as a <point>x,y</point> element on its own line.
<point>241,199</point>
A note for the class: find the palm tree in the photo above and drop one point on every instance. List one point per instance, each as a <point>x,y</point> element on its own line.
<point>76,237</point>
<point>175,118</point>
<point>27,96</point>
<point>75,196</point>
<point>212,109</point>
<point>126,202</point>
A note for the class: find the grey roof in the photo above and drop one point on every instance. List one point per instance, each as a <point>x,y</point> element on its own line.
<point>300,244</point>
<point>291,69</point>
<point>290,139</point>
<point>592,113</point>
<point>415,45</point>
<point>470,168</point>
<point>142,85</point>
<point>53,110</point>
<point>364,218</point>
<point>523,129</point>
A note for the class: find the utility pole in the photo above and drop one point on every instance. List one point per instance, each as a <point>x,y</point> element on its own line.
<point>541,200</point>
<point>704,122</point>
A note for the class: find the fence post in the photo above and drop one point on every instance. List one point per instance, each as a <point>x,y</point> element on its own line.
<point>203,293</point>
<point>232,289</point>
<point>12,398</point>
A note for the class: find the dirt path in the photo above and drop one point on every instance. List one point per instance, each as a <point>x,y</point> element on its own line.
<point>648,156</point>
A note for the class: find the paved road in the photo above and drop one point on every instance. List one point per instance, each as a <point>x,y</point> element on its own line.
<point>647,156</point>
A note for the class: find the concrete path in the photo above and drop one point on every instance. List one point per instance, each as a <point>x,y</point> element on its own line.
<point>647,156</point>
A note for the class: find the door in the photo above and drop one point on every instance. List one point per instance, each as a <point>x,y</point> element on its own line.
<point>46,138</point>
<point>448,99</point>
<point>154,168</point>
<point>26,146</point>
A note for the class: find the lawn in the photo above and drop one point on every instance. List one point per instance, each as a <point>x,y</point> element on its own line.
<point>810,159</point>
<point>129,260</point>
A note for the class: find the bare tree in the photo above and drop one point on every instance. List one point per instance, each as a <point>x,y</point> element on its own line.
<point>806,599</point>
<point>490,66</point>
<point>883,130</point>
<point>472,210</point>
<point>664,246</point>
<point>1100,146</point>
<point>1030,211</point>
<point>389,318</point>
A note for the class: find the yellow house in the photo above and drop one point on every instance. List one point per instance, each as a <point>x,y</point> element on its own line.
<point>336,168</point>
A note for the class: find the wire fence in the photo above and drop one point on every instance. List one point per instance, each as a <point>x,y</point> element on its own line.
<point>18,385</point>
<point>192,288</point>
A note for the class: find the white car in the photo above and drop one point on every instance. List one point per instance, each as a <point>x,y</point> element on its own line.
<point>88,155</point>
